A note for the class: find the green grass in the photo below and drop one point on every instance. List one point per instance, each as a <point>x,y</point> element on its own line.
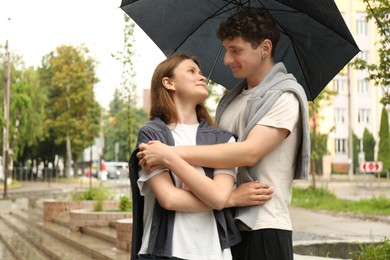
<point>322,199</point>
<point>375,252</point>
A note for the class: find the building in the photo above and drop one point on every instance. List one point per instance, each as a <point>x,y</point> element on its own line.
<point>356,105</point>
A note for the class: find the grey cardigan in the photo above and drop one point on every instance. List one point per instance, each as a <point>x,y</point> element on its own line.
<point>276,82</point>
<point>161,237</point>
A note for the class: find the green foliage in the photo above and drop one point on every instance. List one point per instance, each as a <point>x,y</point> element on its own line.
<point>319,149</point>
<point>368,145</point>
<point>98,194</point>
<point>374,251</point>
<point>318,140</point>
<point>26,107</point>
<point>322,199</point>
<point>125,203</point>
<point>384,141</point>
<point>119,130</point>
<point>123,109</point>
<point>98,206</point>
<point>356,150</point>
<point>68,76</point>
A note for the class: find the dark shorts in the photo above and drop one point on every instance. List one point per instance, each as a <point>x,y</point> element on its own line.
<point>264,244</point>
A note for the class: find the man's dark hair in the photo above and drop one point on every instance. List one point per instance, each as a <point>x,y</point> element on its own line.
<point>254,25</point>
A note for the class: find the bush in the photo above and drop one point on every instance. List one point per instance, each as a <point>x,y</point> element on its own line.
<point>99,194</point>
<point>125,203</point>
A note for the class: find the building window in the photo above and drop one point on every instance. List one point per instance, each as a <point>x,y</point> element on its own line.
<point>362,86</point>
<point>364,116</point>
<point>361,25</point>
<point>339,115</point>
<point>340,86</point>
<point>340,145</point>
<point>363,55</point>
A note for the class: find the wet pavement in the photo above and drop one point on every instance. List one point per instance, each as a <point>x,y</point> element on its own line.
<point>310,227</point>
<point>316,227</point>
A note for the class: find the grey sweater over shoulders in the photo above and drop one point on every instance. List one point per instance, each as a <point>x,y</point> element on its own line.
<point>276,82</point>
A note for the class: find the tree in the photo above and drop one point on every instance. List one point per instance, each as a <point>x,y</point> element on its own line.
<point>68,75</point>
<point>26,109</point>
<point>368,145</point>
<point>129,89</point>
<point>355,150</point>
<point>318,140</point>
<point>117,130</point>
<point>378,11</point>
<point>384,141</point>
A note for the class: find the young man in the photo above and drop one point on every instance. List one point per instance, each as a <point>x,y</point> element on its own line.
<point>268,112</point>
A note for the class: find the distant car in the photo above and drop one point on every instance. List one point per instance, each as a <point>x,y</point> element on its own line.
<point>113,172</point>
<point>119,170</point>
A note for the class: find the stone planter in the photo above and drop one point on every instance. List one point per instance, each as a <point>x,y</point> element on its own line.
<point>80,218</point>
<point>124,228</point>
<point>59,209</point>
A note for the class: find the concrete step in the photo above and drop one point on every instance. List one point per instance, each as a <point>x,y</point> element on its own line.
<point>49,245</point>
<point>5,253</point>
<point>19,247</point>
<point>92,246</point>
<point>104,233</point>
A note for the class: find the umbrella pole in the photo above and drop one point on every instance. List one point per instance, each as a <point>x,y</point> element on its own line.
<point>214,63</point>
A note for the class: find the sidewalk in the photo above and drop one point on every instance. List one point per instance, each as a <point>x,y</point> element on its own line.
<point>316,227</point>
<point>360,187</point>
<point>310,227</point>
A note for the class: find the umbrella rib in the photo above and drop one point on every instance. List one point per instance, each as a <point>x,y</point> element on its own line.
<point>214,63</point>
<point>292,43</point>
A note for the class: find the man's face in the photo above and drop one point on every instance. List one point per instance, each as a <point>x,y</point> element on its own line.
<point>244,61</point>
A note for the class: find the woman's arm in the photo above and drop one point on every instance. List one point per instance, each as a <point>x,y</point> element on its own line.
<point>214,191</point>
<point>173,198</point>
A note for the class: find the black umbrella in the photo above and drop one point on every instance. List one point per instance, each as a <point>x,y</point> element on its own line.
<point>315,42</point>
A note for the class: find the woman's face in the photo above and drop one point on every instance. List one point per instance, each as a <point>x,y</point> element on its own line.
<point>189,83</point>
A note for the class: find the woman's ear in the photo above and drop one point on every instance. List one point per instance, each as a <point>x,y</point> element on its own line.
<point>167,83</point>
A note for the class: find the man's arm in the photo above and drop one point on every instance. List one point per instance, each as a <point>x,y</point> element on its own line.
<point>261,140</point>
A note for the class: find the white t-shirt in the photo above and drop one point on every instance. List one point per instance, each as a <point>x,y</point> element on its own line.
<point>278,167</point>
<point>195,234</point>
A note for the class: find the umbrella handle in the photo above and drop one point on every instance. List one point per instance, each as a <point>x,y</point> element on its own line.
<point>214,63</point>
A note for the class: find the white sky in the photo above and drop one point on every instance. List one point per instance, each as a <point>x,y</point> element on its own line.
<point>40,26</point>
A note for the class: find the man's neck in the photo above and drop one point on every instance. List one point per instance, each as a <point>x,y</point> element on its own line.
<point>256,79</point>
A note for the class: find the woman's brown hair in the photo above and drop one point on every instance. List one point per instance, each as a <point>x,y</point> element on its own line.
<point>161,99</point>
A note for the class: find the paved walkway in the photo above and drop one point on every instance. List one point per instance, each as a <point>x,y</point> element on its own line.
<point>309,226</point>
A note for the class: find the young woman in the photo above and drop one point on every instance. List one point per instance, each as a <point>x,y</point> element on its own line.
<point>181,218</point>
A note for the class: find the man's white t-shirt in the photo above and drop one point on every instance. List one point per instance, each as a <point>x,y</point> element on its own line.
<point>195,234</point>
<point>278,167</point>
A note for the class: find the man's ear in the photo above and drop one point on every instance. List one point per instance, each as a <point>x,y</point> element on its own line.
<point>266,48</point>
<point>167,83</point>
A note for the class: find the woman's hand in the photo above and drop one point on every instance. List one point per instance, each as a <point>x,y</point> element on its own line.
<point>153,155</point>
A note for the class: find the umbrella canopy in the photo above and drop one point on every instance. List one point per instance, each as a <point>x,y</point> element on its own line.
<point>315,42</point>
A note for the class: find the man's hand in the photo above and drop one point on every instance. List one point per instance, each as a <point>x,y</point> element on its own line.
<point>153,155</point>
<point>250,194</point>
